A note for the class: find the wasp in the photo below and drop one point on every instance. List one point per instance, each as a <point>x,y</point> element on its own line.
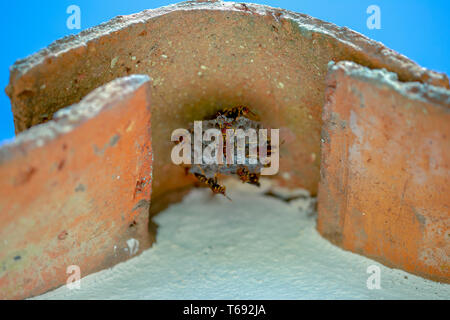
<point>236,112</point>
<point>242,173</point>
<point>223,128</point>
<point>217,188</point>
<point>254,179</point>
<point>247,177</point>
<point>201,178</point>
<point>212,184</point>
<point>269,146</point>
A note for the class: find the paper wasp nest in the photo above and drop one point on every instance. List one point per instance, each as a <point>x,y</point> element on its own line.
<point>242,159</point>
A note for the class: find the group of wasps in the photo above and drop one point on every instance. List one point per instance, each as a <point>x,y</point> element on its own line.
<point>242,172</point>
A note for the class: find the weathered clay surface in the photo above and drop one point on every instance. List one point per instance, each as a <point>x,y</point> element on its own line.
<point>204,57</point>
<point>385,176</point>
<point>75,190</point>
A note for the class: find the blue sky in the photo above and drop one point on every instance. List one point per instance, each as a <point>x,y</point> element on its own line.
<point>419,29</point>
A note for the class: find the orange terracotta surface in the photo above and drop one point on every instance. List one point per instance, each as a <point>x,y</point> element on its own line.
<point>385,172</point>
<point>203,57</point>
<point>75,189</point>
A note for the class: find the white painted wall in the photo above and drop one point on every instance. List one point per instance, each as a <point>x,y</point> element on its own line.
<point>255,247</point>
